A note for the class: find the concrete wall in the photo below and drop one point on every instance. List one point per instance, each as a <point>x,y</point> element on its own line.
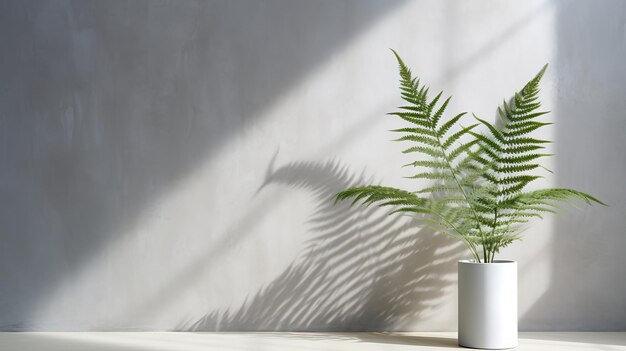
<point>168,164</point>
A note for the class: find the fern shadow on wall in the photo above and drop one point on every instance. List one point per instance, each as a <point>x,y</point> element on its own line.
<point>360,271</point>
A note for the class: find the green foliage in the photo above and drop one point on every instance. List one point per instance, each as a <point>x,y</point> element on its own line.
<point>479,193</point>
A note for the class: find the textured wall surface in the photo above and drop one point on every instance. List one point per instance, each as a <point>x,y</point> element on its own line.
<point>169,164</point>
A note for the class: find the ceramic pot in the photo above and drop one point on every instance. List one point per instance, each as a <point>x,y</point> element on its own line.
<point>488,304</point>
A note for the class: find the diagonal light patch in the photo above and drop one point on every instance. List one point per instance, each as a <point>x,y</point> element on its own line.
<point>189,247</point>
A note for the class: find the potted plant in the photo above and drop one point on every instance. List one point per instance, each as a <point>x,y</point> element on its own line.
<point>478,195</point>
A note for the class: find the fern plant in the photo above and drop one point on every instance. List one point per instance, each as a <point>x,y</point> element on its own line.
<point>478,192</point>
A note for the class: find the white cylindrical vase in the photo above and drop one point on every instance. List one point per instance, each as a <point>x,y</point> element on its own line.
<point>488,304</point>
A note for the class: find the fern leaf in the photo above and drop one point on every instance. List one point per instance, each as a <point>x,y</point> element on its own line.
<point>430,164</point>
<point>521,149</point>
<point>437,189</point>
<point>494,131</point>
<point>446,126</point>
<point>478,195</point>
<point>456,136</point>
<point>440,111</point>
<point>418,131</point>
<point>424,150</point>
<point>427,141</point>
<point>522,158</point>
<point>432,176</point>
<point>521,141</point>
<point>461,149</point>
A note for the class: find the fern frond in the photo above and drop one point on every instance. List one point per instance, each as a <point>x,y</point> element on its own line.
<point>556,194</point>
<point>480,177</point>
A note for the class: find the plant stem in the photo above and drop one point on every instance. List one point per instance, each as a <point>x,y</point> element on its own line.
<point>456,180</point>
<point>493,247</point>
<point>467,242</point>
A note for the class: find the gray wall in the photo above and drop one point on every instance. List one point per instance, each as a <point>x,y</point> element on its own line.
<point>168,164</point>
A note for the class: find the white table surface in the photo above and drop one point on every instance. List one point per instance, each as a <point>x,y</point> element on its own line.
<point>159,341</point>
